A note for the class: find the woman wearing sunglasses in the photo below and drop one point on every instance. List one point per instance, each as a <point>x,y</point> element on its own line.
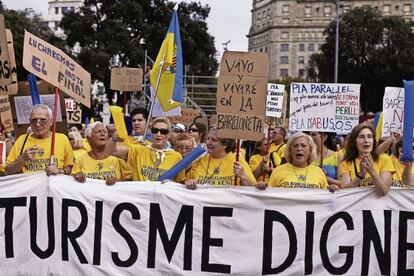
<point>198,132</point>
<point>149,162</point>
<point>219,166</point>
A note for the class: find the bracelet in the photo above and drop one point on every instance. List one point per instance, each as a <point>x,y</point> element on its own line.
<point>359,176</point>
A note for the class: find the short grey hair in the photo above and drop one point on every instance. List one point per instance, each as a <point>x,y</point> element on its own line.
<point>312,156</point>
<point>89,129</point>
<point>42,106</point>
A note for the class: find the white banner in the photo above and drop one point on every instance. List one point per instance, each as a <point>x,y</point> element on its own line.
<point>55,226</point>
<point>274,100</point>
<point>393,110</point>
<point>329,107</point>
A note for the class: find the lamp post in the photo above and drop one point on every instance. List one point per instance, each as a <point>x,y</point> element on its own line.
<point>336,43</point>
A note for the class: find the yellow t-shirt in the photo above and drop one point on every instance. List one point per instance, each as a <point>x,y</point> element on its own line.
<point>279,149</point>
<point>134,141</point>
<point>146,165</point>
<point>384,164</point>
<point>86,145</point>
<point>289,176</point>
<point>63,152</point>
<point>78,153</point>
<point>217,171</point>
<point>257,158</point>
<point>98,169</point>
<point>397,176</point>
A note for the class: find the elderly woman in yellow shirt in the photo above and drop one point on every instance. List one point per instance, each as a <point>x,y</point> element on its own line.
<point>299,171</point>
<point>219,166</point>
<point>97,163</point>
<point>362,166</point>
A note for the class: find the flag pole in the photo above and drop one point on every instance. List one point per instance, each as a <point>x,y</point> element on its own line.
<point>155,96</point>
<point>52,150</point>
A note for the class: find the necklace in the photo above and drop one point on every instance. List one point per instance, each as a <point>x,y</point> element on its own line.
<point>301,178</point>
<point>215,171</point>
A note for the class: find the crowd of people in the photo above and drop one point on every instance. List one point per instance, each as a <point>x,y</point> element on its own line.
<point>302,160</point>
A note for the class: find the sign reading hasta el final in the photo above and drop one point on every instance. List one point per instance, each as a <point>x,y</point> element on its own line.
<point>323,107</point>
<point>54,66</point>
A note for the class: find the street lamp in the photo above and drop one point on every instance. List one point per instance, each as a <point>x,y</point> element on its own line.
<point>336,43</point>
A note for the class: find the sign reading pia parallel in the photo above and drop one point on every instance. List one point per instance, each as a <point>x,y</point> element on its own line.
<point>54,66</point>
<point>126,79</point>
<point>5,68</point>
<point>241,95</point>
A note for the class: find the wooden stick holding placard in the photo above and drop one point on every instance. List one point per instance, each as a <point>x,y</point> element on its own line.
<point>269,125</point>
<point>52,150</point>
<point>237,158</point>
<point>321,135</point>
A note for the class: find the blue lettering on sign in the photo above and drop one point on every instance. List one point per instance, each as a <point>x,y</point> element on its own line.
<point>38,65</point>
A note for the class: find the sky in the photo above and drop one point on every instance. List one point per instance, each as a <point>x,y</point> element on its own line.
<point>228,20</point>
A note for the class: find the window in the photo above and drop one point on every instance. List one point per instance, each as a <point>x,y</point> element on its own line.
<point>311,47</point>
<point>300,35</point>
<point>407,9</point>
<point>65,10</point>
<point>346,8</point>
<point>301,47</point>
<point>284,47</point>
<point>285,20</point>
<point>284,60</point>
<point>308,11</point>
<point>284,73</point>
<point>56,10</point>
<point>301,72</point>
<point>386,9</point>
<point>301,60</point>
<point>285,9</point>
<point>285,35</point>
<point>327,10</point>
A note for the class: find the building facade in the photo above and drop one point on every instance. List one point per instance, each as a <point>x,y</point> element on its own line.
<point>290,31</point>
<point>56,10</point>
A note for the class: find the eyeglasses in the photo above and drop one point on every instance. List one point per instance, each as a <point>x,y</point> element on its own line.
<point>184,148</point>
<point>193,130</point>
<point>42,121</point>
<point>163,131</point>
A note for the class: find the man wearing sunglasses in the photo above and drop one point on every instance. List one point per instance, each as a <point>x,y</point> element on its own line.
<point>31,152</point>
<point>148,162</point>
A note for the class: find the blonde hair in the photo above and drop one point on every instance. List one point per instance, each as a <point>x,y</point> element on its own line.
<point>77,140</point>
<point>164,120</point>
<point>88,131</point>
<point>312,156</point>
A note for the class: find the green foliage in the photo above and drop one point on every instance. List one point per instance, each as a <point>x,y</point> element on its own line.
<point>105,28</point>
<point>374,50</point>
<point>17,22</point>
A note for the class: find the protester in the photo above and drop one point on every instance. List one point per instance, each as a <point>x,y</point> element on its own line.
<point>198,132</point>
<point>219,165</point>
<point>177,129</point>
<point>261,163</point>
<point>362,166</point>
<point>151,161</point>
<point>403,176</point>
<point>139,117</point>
<point>299,171</point>
<point>75,128</point>
<point>76,142</point>
<point>278,145</point>
<point>97,163</point>
<point>184,144</point>
<point>31,152</point>
<point>326,149</point>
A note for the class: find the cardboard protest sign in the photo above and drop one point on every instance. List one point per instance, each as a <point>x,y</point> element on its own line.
<point>274,100</point>
<point>54,66</point>
<point>187,116</point>
<point>393,110</point>
<point>282,120</point>
<point>324,107</point>
<point>126,79</point>
<point>5,66</point>
<point>73,111</point>
<point>6,113</point>
<point>24,104</point>
<point>12,88</point>
<point>241,95</point>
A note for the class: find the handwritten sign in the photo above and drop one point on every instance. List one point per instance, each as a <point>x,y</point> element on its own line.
<point>73,111</point>
<point>24,105</point>
<point>126,79</point>
<point>324,107</point>
<point>5,66</point>
<point>393,110</point>
<point>187,116</point>
<point>54,66</point>
<point>12,88</point>
<point>274,100</point>
<point>6,116</point>
<point>241,95</point>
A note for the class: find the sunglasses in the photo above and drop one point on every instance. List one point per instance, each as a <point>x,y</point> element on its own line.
<point>163,131</point>
<point>193,130</point>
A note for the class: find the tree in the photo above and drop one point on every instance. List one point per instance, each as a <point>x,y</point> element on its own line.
<point>374,50</point>
<point>105,28</point>
<point>17,22</point>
